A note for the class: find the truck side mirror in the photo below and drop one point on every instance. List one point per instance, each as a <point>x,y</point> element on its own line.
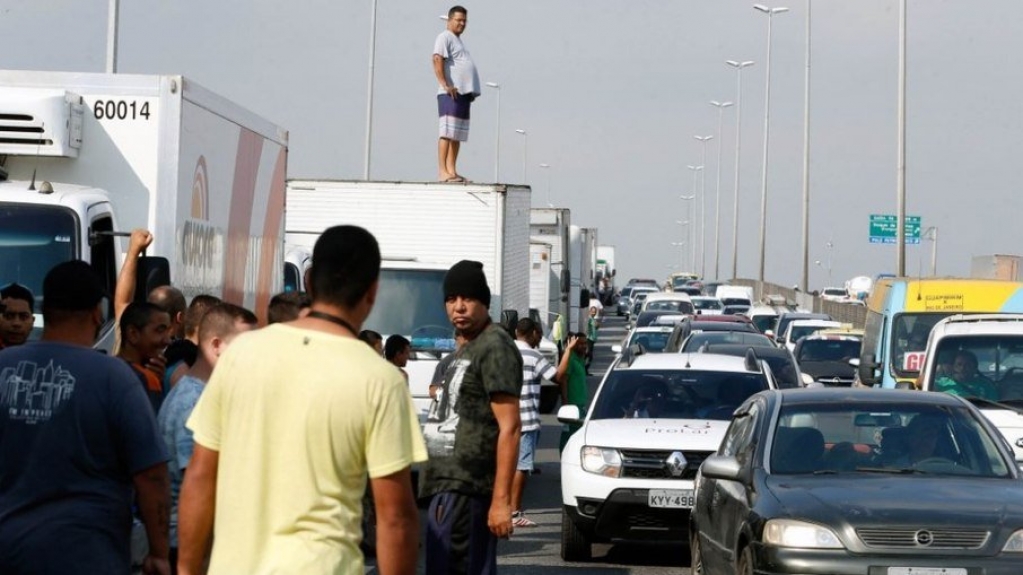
<point>868,363</point>
<point>566,281</point>
<point>153,272</point>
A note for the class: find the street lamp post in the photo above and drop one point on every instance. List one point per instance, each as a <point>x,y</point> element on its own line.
<point>738,148</point>
<point>497,134</point>
<point>113,14</point>
<point>932,234</point>
<point>770,12</point>
<point>547,168</point>
<point>900,224</point>
<point>717,191</point>
<point>806,160</point>
<point>525,153</point>
<point>369,88</point>
<point>685,239</point>
<point>703,204</point>
<point>691,212</point>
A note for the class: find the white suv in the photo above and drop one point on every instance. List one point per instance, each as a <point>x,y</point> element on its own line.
<point>627,473</point>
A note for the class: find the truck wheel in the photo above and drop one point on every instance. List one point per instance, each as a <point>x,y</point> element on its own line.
<point>574,545</point>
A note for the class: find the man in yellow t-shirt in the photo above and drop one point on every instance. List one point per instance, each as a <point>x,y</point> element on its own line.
<point>291,422</point>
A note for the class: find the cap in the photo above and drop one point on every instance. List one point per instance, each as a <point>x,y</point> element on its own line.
<point>466,278</point>
<point>72,286</point>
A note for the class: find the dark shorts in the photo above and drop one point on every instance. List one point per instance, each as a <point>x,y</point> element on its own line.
<point>458,540</point>
<point>454,116</point>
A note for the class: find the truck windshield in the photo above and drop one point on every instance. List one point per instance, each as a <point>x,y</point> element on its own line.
<point>411,303</point>
<point>909,341</point>
<point>33,239</point>
<point>989,366</point>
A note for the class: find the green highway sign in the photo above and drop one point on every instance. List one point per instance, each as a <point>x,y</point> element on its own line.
<point>884,229</point>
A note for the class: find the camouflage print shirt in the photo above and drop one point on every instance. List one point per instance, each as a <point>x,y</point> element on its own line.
<point>487,365</point>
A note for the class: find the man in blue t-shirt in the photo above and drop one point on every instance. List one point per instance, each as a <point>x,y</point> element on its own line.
<point>219,326</point>
<point>77,436</point>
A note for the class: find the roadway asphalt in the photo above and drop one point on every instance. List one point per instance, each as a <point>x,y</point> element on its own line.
<point>536,550</point>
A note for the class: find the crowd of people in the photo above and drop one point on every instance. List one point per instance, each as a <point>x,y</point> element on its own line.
<point>247,449</point>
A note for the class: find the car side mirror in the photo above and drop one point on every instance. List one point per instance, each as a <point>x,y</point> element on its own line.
<point>868,363</point>
<point>569,414</point>
<point>616,348</point>
<point>151,272</point>
<point>722,467</point>
<point>855,362</point>
<point>769,333</point>
<point>806,378</point>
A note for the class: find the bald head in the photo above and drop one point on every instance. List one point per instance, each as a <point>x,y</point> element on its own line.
<point>171,300</point>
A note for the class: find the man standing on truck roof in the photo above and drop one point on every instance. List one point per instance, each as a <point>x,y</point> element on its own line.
<point>73,451</point>
<point>276,505</point>
<point>17,315</point>
<point>459,86</point>
<point>471,488</point>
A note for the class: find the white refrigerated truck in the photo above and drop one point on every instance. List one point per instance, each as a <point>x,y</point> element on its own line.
<point>551,226</point>
<point>424,228</point>
<point>85,158</point>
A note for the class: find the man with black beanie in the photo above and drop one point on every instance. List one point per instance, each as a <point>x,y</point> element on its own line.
<point>471,487</point>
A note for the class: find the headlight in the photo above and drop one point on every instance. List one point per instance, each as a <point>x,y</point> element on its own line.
<point>792,533</point>
<point>1015,543</point>
<point>602,461</point>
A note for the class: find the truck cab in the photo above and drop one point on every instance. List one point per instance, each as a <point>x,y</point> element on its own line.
<point>44,224</point>
<point>980,357</point>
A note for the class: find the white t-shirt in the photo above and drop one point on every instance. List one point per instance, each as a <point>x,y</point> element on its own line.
<point>459,69</point>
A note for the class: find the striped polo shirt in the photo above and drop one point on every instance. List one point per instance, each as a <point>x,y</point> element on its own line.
<point>535,368</point>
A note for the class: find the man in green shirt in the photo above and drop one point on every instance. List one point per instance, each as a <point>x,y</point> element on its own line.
<point>965,380</point>
<point>574,393</point>
<point>592,326</point>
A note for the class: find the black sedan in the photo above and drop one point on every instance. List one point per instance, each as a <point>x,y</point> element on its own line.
<point>865,482</point>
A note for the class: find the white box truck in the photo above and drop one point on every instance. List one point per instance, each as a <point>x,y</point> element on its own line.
<point>540,284</point>
<point>996,267</point>
<point>424,228</point>
<point>605,274</point>
<point>551,225</point>
<point>85,158</point>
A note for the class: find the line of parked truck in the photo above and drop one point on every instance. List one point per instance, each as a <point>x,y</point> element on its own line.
<point>86,158</point>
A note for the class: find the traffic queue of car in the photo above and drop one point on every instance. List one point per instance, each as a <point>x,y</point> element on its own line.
<point>743,437</point>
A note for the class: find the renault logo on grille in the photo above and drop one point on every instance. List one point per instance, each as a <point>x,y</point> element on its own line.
<point>676,463</point>
<point>924,538</point>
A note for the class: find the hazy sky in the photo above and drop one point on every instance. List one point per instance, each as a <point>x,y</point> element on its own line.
<point>611,94</point>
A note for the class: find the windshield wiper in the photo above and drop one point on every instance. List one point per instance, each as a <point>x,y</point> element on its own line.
<point>891,470</point>
<point>980,400</point>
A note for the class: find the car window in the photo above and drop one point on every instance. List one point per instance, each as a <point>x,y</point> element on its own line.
<point>881,437</point>
<point>653,342</point>
<point>740,433</point>
<point>764,322</point>
<point>841,350</point>
<point>675,394</point>
<point>712,337</point>
<point>670,305</point>
<point>784,370</point>
<point>909,340</point>
<point>998,361</point>
<point>798,332</point>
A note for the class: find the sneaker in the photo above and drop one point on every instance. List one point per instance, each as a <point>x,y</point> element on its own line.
<point>520,520</point>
